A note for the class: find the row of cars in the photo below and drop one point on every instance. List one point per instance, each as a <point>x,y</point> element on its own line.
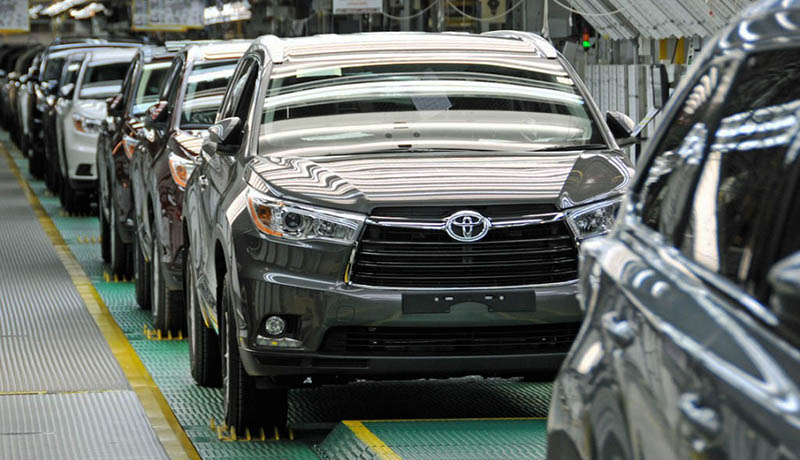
<point>330,208</point>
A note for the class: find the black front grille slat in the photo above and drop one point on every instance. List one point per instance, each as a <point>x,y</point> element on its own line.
<point>412,341</point>
<point>507,256</point>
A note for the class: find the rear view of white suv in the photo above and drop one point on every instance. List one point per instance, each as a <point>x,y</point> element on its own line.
<point>79,122</point>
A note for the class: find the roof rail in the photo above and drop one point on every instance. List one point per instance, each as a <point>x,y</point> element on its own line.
<point>177,45</point>
<point>541,45</point>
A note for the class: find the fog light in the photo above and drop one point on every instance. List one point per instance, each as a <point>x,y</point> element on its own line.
<point>275,325</point>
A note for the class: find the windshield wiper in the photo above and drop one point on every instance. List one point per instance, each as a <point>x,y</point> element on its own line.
<point>566,148</point>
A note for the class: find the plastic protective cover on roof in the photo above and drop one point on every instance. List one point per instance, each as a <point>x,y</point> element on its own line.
<point>658,18</point>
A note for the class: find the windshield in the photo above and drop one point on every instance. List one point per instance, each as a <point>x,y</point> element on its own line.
<point>412,102</point>
<point>204,91</point>
<point>149,84</point>
<point>101,81</point>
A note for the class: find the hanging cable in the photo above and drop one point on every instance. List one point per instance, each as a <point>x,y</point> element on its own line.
<point>403,18</point>
<point>583,13</point>
<point>490,18</point>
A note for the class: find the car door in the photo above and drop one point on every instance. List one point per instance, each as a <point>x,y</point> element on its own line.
<point>219,170</point>
<point>151,141</point>
<point>742,219</point>
<point>644,297</point>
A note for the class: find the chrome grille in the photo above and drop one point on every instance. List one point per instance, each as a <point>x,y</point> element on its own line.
<point>400,257</point>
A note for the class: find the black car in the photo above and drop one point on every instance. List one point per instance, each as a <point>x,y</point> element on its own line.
<point>691,343</point>
<point>16,92</point>
<point>393,205</point>
<point>167,147</point>
<point>116,145</point>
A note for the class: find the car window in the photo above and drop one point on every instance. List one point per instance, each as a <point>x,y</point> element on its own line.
<point>664,192</point>
<point>127,83</point>
<point>205,88</point>
<point>149,83</point>
<point>52,69</point>
<point>169,88</point>
<point>495,103</point>
<point>102,80</point>
<point>70,73</point>
<point>738,203</point>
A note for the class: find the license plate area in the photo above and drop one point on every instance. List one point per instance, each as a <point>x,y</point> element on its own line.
<point>506,301</point>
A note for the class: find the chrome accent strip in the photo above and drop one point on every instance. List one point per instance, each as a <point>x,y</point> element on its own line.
<point>532,219</point>
<point>470,288</point>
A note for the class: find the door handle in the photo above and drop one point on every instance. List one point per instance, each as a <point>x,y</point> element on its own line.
<point>703,418</point>
<point>619,330</point>
<point>203,181</point>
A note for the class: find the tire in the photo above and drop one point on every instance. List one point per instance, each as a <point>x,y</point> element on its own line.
<point>105,237</point>
<point>166,306</point>
<point>245,406</point>
<point>69,197</point>
<point>33,163</point>
<point>203,342</point>
<point>119,251</point>
<point>141,273</point>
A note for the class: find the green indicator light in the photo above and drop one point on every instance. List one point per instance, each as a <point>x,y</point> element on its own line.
<point>587,44</point>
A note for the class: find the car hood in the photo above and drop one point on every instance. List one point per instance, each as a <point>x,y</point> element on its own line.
<point>362,182</point>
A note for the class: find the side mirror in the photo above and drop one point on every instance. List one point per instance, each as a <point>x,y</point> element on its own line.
<point>784,278</point>
<point>67,90</point>
<point>114,106</point>
<point>156,116</point>
<point>220,134</point>
<point>621,127</point>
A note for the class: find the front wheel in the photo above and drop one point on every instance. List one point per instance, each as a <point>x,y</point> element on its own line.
<point>105,245</point>
<point>69,197</point>
<point>245,406</point>
<point>167,306</point>
<point>203,342</point>
<point>141,273</point>
<point>120,265</point>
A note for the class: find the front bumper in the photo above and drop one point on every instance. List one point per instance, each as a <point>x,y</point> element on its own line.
<point>318,307</point>
<point>80,150</point>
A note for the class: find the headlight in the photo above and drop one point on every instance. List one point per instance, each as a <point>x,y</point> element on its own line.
<point>594,219</point>
<point>292,221</point>
<point>181,169</point>
<point>86,125</point>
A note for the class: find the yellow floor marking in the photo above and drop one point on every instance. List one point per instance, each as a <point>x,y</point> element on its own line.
<point>366,436</point>
<point>163,421</point>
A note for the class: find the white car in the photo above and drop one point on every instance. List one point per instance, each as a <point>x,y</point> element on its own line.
<point>81,110</point>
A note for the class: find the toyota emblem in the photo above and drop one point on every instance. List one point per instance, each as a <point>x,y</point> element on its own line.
<point>467,226</point>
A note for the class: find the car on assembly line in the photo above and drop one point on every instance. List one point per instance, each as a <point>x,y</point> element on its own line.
<point>8,62</point>
<point>393,205</point>
<point>691,343</point>
<point>56,103</point>
<point>45,90</point>
<point>81,111</point>
<point>116,144</point>
<point>12,89</point>
<point>25,101</point>
<point>167,150</point>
